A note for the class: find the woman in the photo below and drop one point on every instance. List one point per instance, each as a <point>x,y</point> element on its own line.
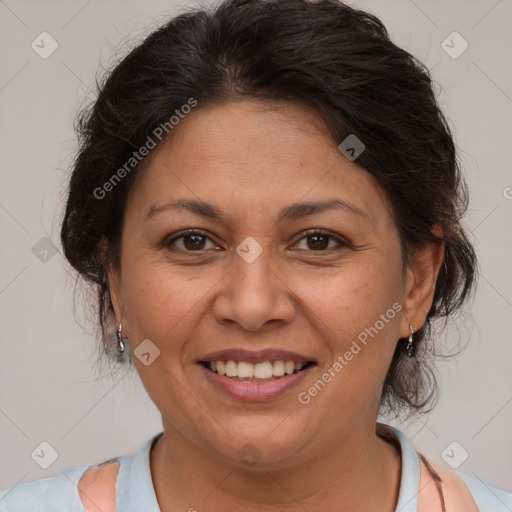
<point>268,201</point>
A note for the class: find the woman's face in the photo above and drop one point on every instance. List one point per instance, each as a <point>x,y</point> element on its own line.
<point>258,281</point>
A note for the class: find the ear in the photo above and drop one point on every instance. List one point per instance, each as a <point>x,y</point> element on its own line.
<point>420,284</point>
<point>114,281</point>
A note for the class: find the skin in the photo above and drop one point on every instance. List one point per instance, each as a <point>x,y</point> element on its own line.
<point>250,159</point>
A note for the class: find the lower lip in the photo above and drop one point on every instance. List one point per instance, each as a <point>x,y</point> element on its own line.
<point>255,391</point>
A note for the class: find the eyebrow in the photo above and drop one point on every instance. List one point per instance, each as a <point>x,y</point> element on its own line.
<point>293,212</point>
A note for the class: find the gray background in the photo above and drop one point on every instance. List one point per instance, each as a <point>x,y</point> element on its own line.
<point>49,390</point>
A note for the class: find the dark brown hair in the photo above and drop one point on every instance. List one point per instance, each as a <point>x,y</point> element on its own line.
<point>322,54</point>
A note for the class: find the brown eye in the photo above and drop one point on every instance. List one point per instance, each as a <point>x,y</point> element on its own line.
<point>319,241</point>
<point>192,242</point>
<point>189,241</point>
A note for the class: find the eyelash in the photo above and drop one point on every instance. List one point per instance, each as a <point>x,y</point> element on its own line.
<point>305,234</point>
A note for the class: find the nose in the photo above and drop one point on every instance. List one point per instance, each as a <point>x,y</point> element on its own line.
<point>254,295</point>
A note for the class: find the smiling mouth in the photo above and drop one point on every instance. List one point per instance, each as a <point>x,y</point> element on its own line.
<point>260,372</point>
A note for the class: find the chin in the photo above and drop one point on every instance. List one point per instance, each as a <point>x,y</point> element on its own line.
<point>260,451</point>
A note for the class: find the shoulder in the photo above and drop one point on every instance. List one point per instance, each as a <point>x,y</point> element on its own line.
<point>56,493</point>
<point>87,488</point>
<point>468,494</point>
<point>487,497</point>
<point>82,488</point>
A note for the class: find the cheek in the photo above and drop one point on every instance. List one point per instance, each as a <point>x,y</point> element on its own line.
<point>356,311</point>
<point>159,300</point>
<point>160,305</point>
<point>350,299</point>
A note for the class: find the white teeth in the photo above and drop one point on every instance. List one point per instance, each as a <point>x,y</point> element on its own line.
<point>248,371</point>
<point>231,369</point>
<point>245,369</point>
<point>278,368</point>
<point>263,370</point>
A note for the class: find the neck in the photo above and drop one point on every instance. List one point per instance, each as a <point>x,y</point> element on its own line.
<point>362,473</point>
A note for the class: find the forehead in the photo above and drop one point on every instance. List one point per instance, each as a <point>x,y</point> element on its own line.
<point>245,153</point>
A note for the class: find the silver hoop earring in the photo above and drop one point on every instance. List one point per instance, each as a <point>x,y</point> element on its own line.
<point>120,342</point>
<point>410,344</point>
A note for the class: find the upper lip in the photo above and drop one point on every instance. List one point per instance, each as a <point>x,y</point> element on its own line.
<point>255,356</point>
